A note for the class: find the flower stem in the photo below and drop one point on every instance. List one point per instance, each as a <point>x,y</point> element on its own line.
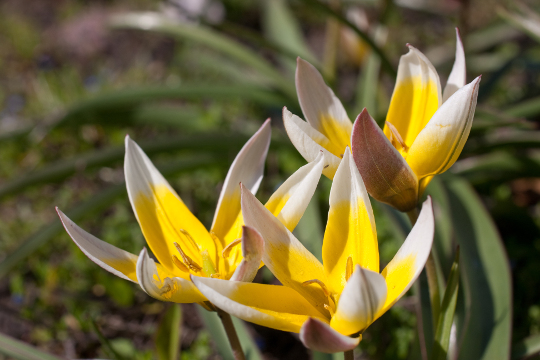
<point>348,355</point>
<point>238,353</point>
<point>431,272</point>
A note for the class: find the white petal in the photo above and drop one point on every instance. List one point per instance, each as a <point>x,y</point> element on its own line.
<point>290,200</point>
<point>318,336</point>
<point>360,302</point>
<point>247,168</point>
<point>458,75</point>
<point>410,259</point>
<point>273,306</point>
<point>173,289</point>
<point>309,142</point>
<point>440,143</point>
<point>317,100</point>
<point>252,250</point>
<point>117,261</point>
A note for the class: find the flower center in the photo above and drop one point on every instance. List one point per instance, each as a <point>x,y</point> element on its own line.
<point>187,264</point>
<point>331,305</point>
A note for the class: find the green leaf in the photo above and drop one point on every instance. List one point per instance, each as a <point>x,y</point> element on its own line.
<point>281,27</point>
<point>16,349</point>
<point>64,168</point>
<point>249,346</point>
<point>486,276</point>
<point>446,314</point>
<point>159,23</point>
<point>526,348</point>
<point>498,167</point>
<point>218,335</point>
<point>168,334</point>
<point>96,203</point>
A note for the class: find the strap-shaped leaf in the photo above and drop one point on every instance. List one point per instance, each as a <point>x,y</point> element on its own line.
<point>486,277</point>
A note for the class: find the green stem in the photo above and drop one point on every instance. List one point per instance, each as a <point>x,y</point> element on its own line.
<point>238,353</point>
<point>348,355</point>
<point>431,272</point>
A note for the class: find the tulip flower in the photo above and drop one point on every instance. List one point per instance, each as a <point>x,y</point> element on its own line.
<point>421,138</point>
<point>179,240</point>
<point>330,303</point>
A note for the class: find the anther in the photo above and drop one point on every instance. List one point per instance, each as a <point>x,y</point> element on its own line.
<point>186,234</point>
<point>349,268</point>
<point>192,265</point>
<point>215,276</point>
<point>179,264</point>
<point>396,138</point>
<point>227,251</point>
<point>318,282</point>
<point>329,308</point>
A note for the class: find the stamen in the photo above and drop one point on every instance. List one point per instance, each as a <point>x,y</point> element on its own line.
<point>318,282</point>
<point>396,138</point>
<point>186,234</point>
<point>329,308</point>
<point>349,268</point>
<point>227,251</point>
<point>192,265</point>
<point>213,276</point>
<point>215,237</point>
<point>179,264</point>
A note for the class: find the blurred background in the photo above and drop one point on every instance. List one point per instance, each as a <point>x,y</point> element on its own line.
<point>190,81</point>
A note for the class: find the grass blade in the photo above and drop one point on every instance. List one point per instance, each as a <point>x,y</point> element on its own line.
<point>282,28</point>
<point>64,168</point>
<point>16,349</point>
<point>446,315</point>
<point>159,23</point>
<point>167,338</point>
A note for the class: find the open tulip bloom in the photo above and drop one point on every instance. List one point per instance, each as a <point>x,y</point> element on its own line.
<point>178,239</point>
<point>424,134</point>
<point>332,303</point>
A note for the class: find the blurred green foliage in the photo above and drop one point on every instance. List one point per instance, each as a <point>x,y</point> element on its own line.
<point>72,87</point>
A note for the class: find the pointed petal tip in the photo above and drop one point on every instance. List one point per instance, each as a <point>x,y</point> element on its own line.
<point>317,335</point>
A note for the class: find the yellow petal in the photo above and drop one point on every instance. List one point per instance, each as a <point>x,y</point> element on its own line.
<point>350,230</point>
<point>247,168</point>
<point>410,259</point>
<point>416,97</point>
<point>283,254</point>
<point>440,143</point>
<point>165,287</point>
<point>162,215</point>
<point>274,306</point>
<point>309,142</point>
<point>321,107</point>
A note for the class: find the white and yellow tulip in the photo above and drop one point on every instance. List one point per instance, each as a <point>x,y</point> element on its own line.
<point>426,127</point>
<point>179,241</point>
<point>332,302</point>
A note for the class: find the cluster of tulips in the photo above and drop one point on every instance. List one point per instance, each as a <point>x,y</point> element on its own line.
<point>331,303</point>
